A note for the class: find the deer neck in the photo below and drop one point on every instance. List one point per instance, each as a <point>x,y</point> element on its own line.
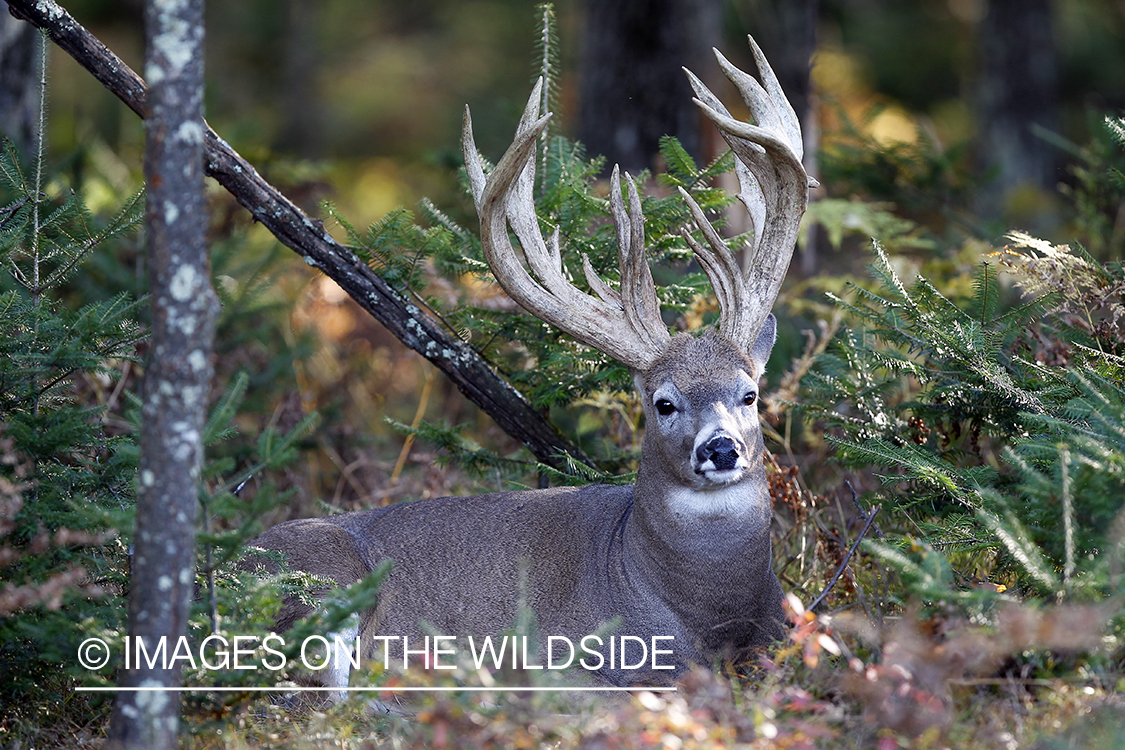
<point>694,545</point>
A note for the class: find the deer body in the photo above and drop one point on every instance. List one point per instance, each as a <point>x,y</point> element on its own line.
<point>682,555</point>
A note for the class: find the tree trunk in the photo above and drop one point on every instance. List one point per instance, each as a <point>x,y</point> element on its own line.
<point>633,90</point>
<point>302,125</point>
<point>1018,92</point>
<point>19,82</point>
<point>178,373</point>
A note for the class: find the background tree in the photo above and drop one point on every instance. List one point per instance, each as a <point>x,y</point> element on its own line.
<point>19,84</point>
<point>177,383</point>
<point>302,127</point>
<point>1018,98</point>
<point>632,89</point>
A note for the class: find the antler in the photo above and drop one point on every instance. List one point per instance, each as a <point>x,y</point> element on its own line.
<point>626,325</point>
<point>773,187</point>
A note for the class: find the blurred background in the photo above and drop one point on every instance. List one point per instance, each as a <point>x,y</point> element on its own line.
<point>964,118</point>
<point>375,90</point>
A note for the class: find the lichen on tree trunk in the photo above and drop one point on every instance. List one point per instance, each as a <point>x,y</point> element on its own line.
<point>178,371</point>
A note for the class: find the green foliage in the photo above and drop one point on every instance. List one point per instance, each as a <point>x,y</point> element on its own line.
<point>479,462</point>
<point>991,452</point>
<point>1097,186</point>
<point>841,218</point>
<point>927,575</point>
<point>72,465</point>
<point>1088,298</point>
<point>70,344</point>
<point>972,383</point>
<point>924,180</point>
<point>465,452</point>
<point>395,246</point>
<point>67,427</point>
<point>244,604</point>
<point>1116,128</point>
<point>231,510</point>
<point>548,71</point>
<point>995,424</point>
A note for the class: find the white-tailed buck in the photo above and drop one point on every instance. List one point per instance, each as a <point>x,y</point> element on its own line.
<point>681,560</point>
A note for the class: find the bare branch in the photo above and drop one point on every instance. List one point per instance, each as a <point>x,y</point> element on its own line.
<point>847,557</point>
<point>415,327</point>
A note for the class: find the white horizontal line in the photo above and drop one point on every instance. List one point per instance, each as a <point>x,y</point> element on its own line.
<point>396,689</point>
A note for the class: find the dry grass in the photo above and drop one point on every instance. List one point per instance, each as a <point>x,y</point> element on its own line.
<point>780,702</point>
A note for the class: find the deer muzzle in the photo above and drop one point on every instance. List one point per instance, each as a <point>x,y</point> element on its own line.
<point>720,453</point>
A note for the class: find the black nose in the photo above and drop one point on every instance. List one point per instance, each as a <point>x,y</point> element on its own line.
<point>721,450</point>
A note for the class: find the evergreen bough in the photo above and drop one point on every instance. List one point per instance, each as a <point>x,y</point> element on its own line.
<point>73,470</point>
<point>991,442</point>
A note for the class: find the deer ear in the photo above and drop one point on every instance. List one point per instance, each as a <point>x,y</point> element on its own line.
<point>760,353</point>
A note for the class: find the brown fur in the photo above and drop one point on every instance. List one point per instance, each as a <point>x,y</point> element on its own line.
<point>583,557</point>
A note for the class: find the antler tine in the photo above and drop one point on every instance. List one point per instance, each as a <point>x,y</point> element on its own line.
<point>626,325</point>
<point>722,270</point>
<point>773,187</point>
<point>638,290</point>
<point>774,98</point>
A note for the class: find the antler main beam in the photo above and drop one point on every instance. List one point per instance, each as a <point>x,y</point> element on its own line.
<point>773,187</point>
<point>626,325</point>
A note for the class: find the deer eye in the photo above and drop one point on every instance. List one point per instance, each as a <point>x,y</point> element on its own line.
<point>750,398</point>
<point>664,407</point>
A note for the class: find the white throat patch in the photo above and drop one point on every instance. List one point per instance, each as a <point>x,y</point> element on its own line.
<point>731,501</point>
